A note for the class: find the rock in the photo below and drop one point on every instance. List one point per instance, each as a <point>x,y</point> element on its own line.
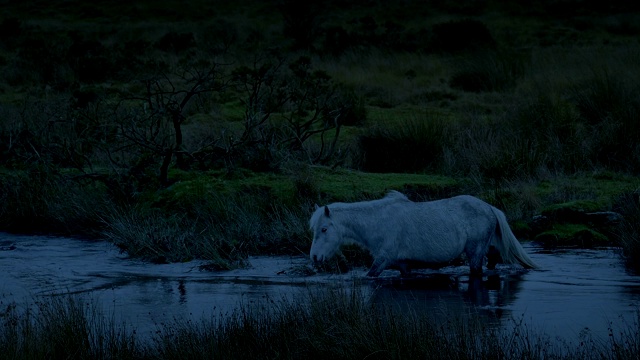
<point>604,218</point>
<point>539,223</point>
<point>572,235</point>
<point>573,226</point>
<point>570,212</point>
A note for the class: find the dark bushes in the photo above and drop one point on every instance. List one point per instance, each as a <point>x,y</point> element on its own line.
<point>461,36</point>
<point>175,42</point>
<point>413,146</point>
<point>301,22</point>
<point>90,60</point>
<point>609,103</point>
<point>490,71</point>
<point>42,200</point>
<point>561,130</point>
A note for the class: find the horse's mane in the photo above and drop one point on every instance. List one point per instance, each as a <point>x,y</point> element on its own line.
<point>392,196</point>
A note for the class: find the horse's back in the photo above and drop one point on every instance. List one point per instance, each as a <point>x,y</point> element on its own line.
<point>450,212</point>
<point>459,207</point>
<point>432,231</point>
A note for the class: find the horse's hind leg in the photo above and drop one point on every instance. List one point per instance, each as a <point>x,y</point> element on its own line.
<point>402,266</point>
<point>475,270</point>
<point>378,266</point>
<point>475,259</point>
<point>493,257</point>
<point>405,269</point>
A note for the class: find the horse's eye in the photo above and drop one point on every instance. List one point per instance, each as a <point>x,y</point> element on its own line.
<point>324,230</point>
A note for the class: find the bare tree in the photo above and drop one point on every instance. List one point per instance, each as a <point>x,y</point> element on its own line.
<point>153,119</point>
<point>288,105</point>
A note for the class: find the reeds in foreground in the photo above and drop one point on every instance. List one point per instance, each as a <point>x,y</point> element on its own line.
<point>335,323</point>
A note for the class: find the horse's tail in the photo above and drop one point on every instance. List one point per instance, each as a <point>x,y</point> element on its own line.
<point>509,247</point>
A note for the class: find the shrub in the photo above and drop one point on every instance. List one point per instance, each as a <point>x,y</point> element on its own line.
<point>175,42</point>
<point>481,151</point>
<point>301,22</point>
<point>350,108</point>
<point>10,30</point>
<point>550,131</point>
<point>415,145</point>
<point>90,60</point>
<point>336,40</point>
<point>609,102</point>
<point>460,36</point>
<point>41,60</point>
<point>490,71</point>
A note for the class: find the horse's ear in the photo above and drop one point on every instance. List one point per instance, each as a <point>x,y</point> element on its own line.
<point>317,207</point>
<point>327,213</point>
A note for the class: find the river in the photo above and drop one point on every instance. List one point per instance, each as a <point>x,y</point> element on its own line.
<point>576,292</point>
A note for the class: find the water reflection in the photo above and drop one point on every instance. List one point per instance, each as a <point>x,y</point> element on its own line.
<point>441,295</point>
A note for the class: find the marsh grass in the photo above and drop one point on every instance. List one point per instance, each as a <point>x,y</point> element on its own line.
<point>412,146</point>
<point>42,200</point>
<point>64,327</point>
<point>335,322</point>
<point>222,228</point>
<point>496,70</point>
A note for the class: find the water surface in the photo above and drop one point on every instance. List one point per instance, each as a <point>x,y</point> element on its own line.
<point>577,291</point>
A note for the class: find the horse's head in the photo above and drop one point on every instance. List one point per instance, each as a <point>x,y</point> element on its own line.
<point>326,240</point>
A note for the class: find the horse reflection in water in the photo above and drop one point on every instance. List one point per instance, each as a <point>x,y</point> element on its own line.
<point>444,296</point>
<point>403,234</point>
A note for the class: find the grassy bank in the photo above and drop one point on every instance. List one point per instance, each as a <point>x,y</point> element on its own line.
<point>334,323</point>
<point>225,217</point>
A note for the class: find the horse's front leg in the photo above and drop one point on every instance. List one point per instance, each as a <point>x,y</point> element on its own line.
<point>379,264</point>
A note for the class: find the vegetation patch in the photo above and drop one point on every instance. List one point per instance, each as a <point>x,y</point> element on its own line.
<point>349,185</point>
<point>572,211</point>
<point>572,235</point>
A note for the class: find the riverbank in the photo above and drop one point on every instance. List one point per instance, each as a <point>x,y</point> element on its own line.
<point>223,218</point>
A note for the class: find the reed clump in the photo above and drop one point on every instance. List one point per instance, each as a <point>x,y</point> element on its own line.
<point>223,229</point>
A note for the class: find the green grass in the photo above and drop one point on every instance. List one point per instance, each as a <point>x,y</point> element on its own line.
<point>349,185</point>
<point>331,184</point>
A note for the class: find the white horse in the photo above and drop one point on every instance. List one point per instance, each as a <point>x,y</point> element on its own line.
<point>401,233</point>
